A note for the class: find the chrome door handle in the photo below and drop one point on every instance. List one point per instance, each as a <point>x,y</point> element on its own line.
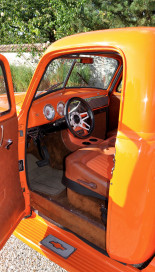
<point>9,142</point>
<point>2,135</point>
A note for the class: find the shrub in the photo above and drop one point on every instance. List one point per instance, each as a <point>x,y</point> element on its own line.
<point>21,76</point>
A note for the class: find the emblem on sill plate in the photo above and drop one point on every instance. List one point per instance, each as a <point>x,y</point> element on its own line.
<point>58,246</point>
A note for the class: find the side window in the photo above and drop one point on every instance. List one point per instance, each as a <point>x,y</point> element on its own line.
<point>4,98</point>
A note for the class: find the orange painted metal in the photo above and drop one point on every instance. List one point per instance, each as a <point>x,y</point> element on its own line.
<point>11,94</point>
<point>36,115</point>
<point>12,204</point>
<point>131,217</point>
<point>26,106</point>
<point>19,98</point>
<point>85,258</point>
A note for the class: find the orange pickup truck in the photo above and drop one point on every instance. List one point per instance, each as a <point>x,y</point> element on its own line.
<point>78,162</point>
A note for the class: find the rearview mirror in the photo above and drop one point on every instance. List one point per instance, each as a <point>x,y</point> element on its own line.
<point>87,60</point>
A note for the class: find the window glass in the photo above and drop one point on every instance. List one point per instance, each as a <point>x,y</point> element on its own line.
<point>4,102</point>
<point>119,87</point>
<point>55,75</point>
<point>78,71</point>
<point>97,74</point>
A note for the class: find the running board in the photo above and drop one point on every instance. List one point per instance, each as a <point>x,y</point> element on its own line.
<point>66,249</point>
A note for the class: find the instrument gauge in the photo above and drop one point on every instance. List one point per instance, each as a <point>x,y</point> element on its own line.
<point>49,112</point>
<point>60,108</point>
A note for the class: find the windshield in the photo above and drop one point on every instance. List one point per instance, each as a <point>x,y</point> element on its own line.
<point>78,71</point>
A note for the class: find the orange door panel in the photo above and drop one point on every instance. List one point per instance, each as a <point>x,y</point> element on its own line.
<point>12,203</point>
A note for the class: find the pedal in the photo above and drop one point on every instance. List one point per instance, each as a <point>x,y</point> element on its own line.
<point>45,156</point>
<point>42,163</point>
<point>58,246</point>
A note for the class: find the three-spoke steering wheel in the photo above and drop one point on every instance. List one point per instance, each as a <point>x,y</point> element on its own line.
<point>79,117</point>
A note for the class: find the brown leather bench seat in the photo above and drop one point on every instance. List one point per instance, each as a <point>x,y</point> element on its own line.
<point>91,167</point>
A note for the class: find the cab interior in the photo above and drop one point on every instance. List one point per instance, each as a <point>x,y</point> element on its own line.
<point>71,135</point>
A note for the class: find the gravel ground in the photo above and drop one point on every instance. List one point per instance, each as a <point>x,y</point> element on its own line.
<point>17,256</point>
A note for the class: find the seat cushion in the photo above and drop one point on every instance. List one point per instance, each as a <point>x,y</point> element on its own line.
<point>91,166</point>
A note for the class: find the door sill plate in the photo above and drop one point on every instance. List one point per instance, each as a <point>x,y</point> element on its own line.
<point>58,246</point>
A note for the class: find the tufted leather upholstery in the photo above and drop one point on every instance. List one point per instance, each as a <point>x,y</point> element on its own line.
<point>91,166</point>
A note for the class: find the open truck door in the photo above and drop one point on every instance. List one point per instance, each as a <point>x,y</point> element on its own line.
<point>12,204</point>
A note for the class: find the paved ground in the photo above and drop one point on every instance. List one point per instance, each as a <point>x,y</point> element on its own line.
<point>18,257</point>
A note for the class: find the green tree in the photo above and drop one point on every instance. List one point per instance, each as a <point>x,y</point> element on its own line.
<point>129,13</point>
<point>26,21</point>
<point>32,21</point>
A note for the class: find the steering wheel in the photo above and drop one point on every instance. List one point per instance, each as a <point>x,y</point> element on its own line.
<point>79,117</point>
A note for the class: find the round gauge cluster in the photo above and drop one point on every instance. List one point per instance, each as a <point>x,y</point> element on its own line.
<point>60,108</point>
<point>49,112</point>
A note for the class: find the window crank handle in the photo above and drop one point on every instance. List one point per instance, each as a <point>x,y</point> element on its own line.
<point>9,142</point>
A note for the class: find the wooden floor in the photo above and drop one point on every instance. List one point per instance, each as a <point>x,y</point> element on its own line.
<point>61,211</point>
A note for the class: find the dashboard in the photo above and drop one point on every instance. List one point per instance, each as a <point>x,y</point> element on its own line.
<point>50,108</point>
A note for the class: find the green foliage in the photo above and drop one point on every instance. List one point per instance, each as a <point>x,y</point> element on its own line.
<point>26,21</point>
<point>130,13</point>
<point>32,21</point>
<point>21,76</point>
<point>78,16</point>
<point>80,75</point>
